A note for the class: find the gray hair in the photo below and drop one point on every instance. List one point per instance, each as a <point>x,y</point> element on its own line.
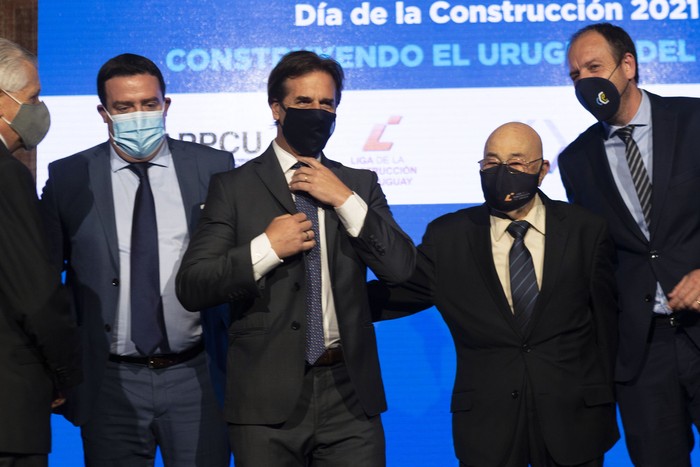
<point>13,75</point>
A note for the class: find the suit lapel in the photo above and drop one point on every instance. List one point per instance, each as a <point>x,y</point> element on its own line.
<point>664,141</point>
<point>480,246</point>
<point>100,173</point>
<point>554,247</point>
<point>270,173</point>
<point>331,218</point>
<point>598,159</point>
<point>187,172</point>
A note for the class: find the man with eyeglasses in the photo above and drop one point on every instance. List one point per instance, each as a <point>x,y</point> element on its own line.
<point>525,285</point>
<point>639,167</point>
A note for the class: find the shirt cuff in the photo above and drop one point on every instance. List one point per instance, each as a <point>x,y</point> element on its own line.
<point>263,257</point>
<point>352,214</point>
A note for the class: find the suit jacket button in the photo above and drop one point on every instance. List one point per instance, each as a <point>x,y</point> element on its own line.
<point>296,287</point>
<point>653,254</point>
<point>526,348</point>
<point>115,282</point>
<point>647,298</point>
<point>514,394</point>
<point>108,328</point>
<point>295,325</point>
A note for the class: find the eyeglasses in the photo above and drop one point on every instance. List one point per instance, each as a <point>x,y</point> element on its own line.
<point>514,165</point>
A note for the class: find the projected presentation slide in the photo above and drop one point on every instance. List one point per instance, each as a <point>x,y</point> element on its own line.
<point>426,83</point>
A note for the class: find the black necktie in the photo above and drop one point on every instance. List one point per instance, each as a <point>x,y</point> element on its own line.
<point>640,177</point>
<point>315,344</point>
<point>147,325</point>
<point>523,282</point>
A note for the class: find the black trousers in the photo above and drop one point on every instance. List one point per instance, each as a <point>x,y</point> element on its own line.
<point>328,428</point>
<point>660,406</point>
<point>23,460</point>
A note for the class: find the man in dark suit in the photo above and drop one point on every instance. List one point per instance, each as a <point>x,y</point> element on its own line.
<point>120,232</point>
<point>525,286</point>
<point>38,343</point>
<point>657,238</point>
<point>303,382</point>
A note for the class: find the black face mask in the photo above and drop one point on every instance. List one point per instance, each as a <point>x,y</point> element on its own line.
<point>599,96</point>
<point>505,191</point>
<point>307,130</point>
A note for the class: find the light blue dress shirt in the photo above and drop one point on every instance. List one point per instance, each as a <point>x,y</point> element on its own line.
<point>615,150</point>
<point>183,327</point>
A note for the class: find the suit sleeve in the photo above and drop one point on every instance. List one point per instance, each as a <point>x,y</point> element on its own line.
<point>391,301</point>
<point>604,300</point>
<point>30,290</point>
<point>386,249</point>
<point>216,268</point>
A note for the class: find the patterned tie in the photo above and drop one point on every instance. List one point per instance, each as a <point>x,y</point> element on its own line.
<point>315,344</point>
<point>640,177</point>
<point>523,283</point>
<point>147,323</point>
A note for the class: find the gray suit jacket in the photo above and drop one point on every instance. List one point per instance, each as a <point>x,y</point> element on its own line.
<point>267,334</point>
<point>78,207</point>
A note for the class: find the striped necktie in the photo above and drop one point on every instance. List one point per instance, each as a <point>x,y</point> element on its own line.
<point>640,177</point>
<point>523,282</point>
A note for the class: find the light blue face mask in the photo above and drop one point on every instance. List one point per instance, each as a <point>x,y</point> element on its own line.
<point>138,134</point>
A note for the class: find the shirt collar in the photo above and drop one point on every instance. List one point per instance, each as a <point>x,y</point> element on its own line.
<point>641,118</point>
<point>162,158</point>
<point>536,218</point>
<point>285,158</point>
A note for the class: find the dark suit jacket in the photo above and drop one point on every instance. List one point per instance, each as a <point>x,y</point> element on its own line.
<point>78,206</point>
<point>674,247</point>
<point>266,337</point>
<point>565,354</point>
<point>38,342</point>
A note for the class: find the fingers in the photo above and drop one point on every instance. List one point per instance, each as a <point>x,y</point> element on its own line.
<point>686,295</point>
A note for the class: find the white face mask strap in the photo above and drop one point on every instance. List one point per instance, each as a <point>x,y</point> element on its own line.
<point>11,96</point>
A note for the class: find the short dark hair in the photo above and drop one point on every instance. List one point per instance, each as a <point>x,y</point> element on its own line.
<point>299,63</point>
<point>126,65</point>
<point>620,42</point>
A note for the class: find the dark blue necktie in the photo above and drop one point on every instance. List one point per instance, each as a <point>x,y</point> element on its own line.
<point>147,325</point>
<point>523,282</point>
<point>315,344</point>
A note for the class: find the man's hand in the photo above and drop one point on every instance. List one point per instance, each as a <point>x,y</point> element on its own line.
<point>290,234</point>
<point>318,181</point>
<point>58,400</point>
<point>686,295</point>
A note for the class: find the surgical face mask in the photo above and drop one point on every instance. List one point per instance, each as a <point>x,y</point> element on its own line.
<point>307,130</point>
<point>507,191</point>
<point>599,96</point>
<point>31,123</point>
<point>138,134</point>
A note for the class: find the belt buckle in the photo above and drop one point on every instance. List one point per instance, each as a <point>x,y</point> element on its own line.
<point>158,363</point>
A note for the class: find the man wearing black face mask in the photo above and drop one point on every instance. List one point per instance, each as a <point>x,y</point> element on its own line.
<point>287,239</point>
<point>638,168</point>
<point>525,286</point>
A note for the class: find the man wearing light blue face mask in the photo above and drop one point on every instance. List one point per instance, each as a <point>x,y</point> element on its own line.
<point>120,216</point>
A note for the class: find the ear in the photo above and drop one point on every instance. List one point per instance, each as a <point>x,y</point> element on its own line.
<point>629,65</point>
<point>543,171</point>
<point>166,106</point>
<point>276,111</point>
<point>103,113</point>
